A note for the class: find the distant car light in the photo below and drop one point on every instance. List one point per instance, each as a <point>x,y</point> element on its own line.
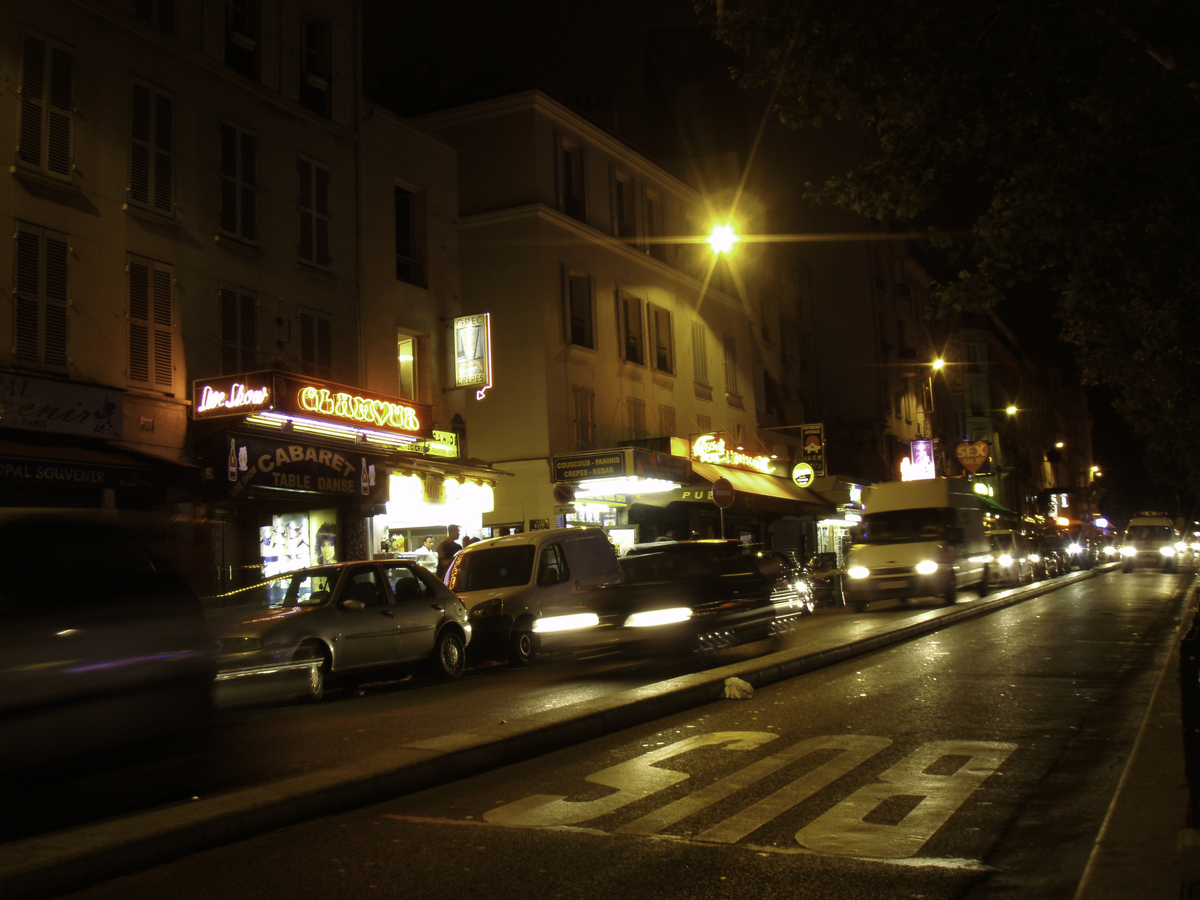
<point>1129,551</point>
<point>551,624</point>
<point>858,572</point>
<point>1006,560</point>
<point>926,567</point>
<point>1167,551</point>
<point>1110,550</point>
<point>1074,548</point>
<point>654,617</point>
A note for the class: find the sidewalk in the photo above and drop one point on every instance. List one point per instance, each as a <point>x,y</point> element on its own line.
<point>1142,830</point>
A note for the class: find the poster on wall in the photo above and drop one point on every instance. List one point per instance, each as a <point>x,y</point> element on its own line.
<point>297,540</point>
<point>472,353</point>
<point>812,446</point>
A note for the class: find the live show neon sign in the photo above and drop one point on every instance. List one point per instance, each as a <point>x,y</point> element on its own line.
<point>238,397</point>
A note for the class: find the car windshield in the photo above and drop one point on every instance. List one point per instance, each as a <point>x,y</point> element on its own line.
<point>1150,533</point>
<point>903,525</point>
<point>1001,541</point>
<point>494,567</point>
<point>309,587</point>
<point>645,567</point>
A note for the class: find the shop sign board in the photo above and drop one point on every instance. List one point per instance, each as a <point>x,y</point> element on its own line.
<point>473,352</point>
<point>287,394</point>
<point>973,455</point>
<point>802,474</point>
<point>712,449</point>
<point>70,473</point>
<point>812,446</point>
<point>61,407</point>
<point>302,467</point>
<point>594,464</point>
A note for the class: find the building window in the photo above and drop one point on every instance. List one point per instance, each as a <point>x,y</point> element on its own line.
<point>663,337</point>
<point>703,424</point>
<point>406,360</point>
<point>312,200</point>
<point>316,345</point>
<point>243,37</point>
<point>637,418</point>
<point>583,417</point>
<point>239,183</point>
<point>731,372</point>
<point>623,214</point>
<point>632,333</point>
<point>239,330</point>
<point>666,420</point>
<point>47,130</point>
<point>160,13</point>
<point>40,298</point>
<point>652,213</point>
<point>410,255</point>
<point>572,182</point>
<point>151,324</point>
<point>152,149</point>
<point>700,352</point>
<point>316,69</point>
<point>580,311</point>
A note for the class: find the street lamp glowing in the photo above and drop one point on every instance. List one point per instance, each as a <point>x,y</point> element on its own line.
<point>722,238</point>
<point>1012,410</point>
<point>1059,445</point>
<point>938,363</point>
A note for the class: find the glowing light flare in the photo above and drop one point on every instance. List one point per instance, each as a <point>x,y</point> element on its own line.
<point>723,238</point>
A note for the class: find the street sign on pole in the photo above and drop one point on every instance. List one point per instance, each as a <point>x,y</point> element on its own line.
<point>722,494</point>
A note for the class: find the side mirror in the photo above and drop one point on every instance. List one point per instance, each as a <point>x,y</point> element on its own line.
<point>354,605</point>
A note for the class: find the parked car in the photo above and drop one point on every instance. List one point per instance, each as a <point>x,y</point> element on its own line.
<point>1083,550</point>
<point>1012,558</point>
<point>1050,559</point>
<point>689,595</point>
<point>507,582</point>
<point>826,577</point>
<point>352,620</point>
<point>1150,542</point>
<point>104,644</point>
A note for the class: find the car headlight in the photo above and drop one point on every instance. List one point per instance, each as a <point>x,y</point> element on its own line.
<point>1074,548</point>
<point>1005,559</point>
<point>486,609</point>
<point>1180,546</point>
<point>1129,551</point>
<point>1111,551</point>
<point>550,624</point>
<point>926,567</point>
<point>237,645</point>
<point>653,617</point>
<point>858,572</point>
<point>1167,551</point>
<point>1033,557</point>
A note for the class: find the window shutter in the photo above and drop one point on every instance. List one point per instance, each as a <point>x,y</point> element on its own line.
<point>139,151</point>
<point>60,131</point>
<point>164,368</point>
<point>239,180</point>
<point>33,100</point>
<point>151,313</point>
<point>700,352</point>
<point>55,340</point>
<point>322,211</point>
<point>239,331</point>
<point>28,282</point>
<point>139,315</point>
<point>249,161</point>
<point>229,179</point>
<point>305,201</point>
<point>40,308</point>
<point>316,345</point>
<point>164,150</point>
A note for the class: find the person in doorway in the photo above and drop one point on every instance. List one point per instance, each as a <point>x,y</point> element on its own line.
<point>447,550</point>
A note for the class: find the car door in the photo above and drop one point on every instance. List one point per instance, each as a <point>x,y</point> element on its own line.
<point>418,609</point>
<point>369,635</point>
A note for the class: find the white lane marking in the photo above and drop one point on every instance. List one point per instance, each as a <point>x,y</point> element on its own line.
<point>854,749</point>
<point>634,779</point>
<point>842,832</point>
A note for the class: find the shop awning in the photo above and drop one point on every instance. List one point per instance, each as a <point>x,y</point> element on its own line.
<point>767,492</point>
<point>994,506</point>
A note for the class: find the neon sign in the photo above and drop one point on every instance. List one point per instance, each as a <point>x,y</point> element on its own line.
<point>239,397</point>
<point>370,410</point>
<point>473,352</point>
<point>711,448</point>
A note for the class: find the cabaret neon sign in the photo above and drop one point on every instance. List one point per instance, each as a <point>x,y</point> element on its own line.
<point>710,448</point>
<point>239,397</point>
<point>371,410</point>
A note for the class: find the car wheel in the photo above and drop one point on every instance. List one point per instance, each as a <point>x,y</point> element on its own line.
<point>983,585</point>
<point>318,675</point>
<point>522,647</point>
<point>1126,568</point>
<point>449,655</point>
<point>950,597</point>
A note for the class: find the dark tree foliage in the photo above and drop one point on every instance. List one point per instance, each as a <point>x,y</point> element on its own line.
<point>1077,123</point>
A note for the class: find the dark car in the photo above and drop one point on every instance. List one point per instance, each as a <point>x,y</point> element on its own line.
<point>104,645</point>
<point>352,620</point>
<point>825,575</point>
<point>1049,558</point>
<point>680,596</point>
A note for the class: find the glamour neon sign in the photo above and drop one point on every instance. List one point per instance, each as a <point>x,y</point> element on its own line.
<point>712,449</point>
<point>369,410</point>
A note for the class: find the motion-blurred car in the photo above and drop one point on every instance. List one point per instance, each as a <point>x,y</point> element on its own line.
<point>1052,558</point>
<point>826,577</point>
<point>1150,542</point>
<point>1012,561</point>
<point>346,621</point>
<point>104,646</point>
<point>1083,551</point>
<point>689,595</point>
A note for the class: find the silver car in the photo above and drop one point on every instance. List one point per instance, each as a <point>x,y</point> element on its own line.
<point>344,621</point>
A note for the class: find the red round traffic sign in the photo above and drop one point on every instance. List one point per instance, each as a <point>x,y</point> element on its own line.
<point>564,492</point>
<point>722,493</point>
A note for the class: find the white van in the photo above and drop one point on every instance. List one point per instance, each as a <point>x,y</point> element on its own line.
<point>507,584</point>
<point>918,539</point>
